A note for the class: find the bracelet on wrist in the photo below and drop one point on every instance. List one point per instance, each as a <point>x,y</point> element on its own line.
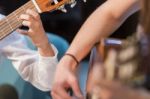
<point>73,57</point>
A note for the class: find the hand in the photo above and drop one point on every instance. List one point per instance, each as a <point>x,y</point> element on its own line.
<point>65,78</point>
<point>36,32</point>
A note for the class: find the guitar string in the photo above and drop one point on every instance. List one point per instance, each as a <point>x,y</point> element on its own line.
<point>40,2</point>
<point>19,12</point>
<point>10,15</point>
<point>31,4</point>
<point>6,29</point>
<point>17,24</point>
<point>13,24</point>
<point>10,18</point>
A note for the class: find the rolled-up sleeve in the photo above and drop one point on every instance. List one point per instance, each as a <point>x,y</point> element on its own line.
<point>31,66</point>
<point>45,73</point>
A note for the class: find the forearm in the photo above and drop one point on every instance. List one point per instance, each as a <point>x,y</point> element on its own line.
<point>104,21</point>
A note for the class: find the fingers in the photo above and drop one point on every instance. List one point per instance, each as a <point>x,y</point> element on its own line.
<point>76,89</point>
<point>29,18</point>
<point>32,13</point>
<point>24,32</point>
<point>58,91</point>
<point>26,17</point>
<point>55,96</point>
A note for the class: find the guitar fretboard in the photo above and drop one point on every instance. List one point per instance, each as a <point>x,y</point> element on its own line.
<point>12,21</point>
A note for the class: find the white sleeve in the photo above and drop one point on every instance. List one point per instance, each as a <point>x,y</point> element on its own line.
<point>32,67</point>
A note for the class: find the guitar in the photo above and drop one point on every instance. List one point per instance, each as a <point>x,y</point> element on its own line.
<point>97,58</point>
<point>11,22</point>
<point>114,60</point>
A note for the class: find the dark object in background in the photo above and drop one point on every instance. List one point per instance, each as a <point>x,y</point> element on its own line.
<point>9,6</point>
<point>8,92</point>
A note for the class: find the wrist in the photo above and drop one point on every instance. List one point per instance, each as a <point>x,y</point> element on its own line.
<point>71,61</point>
<point>43,45</point>
<point>73,57</point>
<point>46,50</point>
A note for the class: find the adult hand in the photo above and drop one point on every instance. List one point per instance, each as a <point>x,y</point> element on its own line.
<point>65,78</point>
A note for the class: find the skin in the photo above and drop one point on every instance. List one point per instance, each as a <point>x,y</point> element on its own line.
<point>36,32</point>
<point>100,24</point>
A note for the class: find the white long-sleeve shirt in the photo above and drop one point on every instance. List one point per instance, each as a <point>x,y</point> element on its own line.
<point>31,66</point>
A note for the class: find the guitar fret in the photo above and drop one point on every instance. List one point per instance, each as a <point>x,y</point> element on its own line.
<point>1,31</point>
<point>3,34</point>
<point>12,21</point>
<point>23,8</point>
<point>16,20</point>
<point>16,17</point>
<point>9,24</point>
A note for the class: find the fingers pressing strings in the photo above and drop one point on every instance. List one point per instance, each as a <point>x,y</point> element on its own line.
<point>29,17</point>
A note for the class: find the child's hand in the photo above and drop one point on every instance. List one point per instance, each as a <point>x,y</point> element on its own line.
<point>36,32</point>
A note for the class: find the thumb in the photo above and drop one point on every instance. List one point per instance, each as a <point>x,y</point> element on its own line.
<point>76,89</point>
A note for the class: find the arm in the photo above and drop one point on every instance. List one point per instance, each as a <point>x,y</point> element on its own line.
<point>37,67</point>
<point>101,23</point>
<point>31,66</point>
<point>104,21</point>
<point>36,32</point>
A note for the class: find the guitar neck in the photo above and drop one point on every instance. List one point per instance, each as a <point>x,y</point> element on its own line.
<point>11,22</point>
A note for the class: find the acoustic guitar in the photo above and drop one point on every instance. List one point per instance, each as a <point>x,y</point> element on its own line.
<point>97,58</point>
<point>11,22</point>
<point>114,60</point>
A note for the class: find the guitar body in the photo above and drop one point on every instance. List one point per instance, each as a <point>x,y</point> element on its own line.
<point>97,58</point>
<point>96,67</point>
<point>115,61</point>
